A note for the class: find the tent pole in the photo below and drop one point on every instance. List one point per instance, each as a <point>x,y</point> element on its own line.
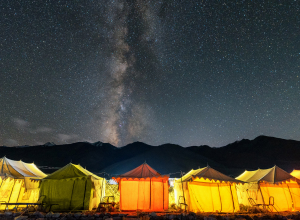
<point>2,182</point>
<point>1,185</point>
<point>232,197</point>
<point>101,188</point>
<point>12,190</point>
<point>20,192</point>
<point>220,197</point>
<point>137,202</point>
<point>150,194</point>
<point>163,194</point>
<point>291,196</point>
<point>85,191</point>
<point>183,191</point>
<point>262,197</point>
<point>72,194</point>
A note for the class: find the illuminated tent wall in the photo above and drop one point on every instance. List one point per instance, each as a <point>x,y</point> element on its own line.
<point>17,182</point>
<point>73,188</point>
<point>143,188</point>
<point>296,173</point>
<point>207,190</point>
<point>263,183</point>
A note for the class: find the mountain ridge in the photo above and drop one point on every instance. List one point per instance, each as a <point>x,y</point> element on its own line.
<point>261,152</point>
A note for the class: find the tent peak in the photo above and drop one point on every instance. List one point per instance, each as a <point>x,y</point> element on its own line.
<point>208,173</point>
<point>141,172</point>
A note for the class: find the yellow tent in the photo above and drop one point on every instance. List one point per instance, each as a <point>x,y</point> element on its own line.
<point>296,173</point>
<point>265,183</point>
<point>17,181</point>
<point>207,190</point>
<point>73,188</point>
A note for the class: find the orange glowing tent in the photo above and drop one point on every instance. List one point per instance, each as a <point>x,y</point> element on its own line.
<point>143,188</point>
<point>263,184</point>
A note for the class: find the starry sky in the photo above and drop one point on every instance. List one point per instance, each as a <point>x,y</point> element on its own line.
<point>161,71</point>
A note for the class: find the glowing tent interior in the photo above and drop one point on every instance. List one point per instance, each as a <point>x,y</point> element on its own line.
<point>207,190</point>
<point>143,188</point>
<point>17,181</point>
<point>264,185</point>
<point>73,188</point>
<point>296,173</point>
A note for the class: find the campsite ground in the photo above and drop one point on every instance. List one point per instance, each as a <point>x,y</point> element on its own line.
<point>149,216</point>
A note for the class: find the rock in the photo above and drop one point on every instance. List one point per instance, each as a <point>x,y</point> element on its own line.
<point>207,218</point>
<point>55,215</point>
<point>37,214</point>
<point>69,215</point>
<point>49,214</point>
<point>21,217</point>
<point>153,214</point>
<point>17,214</point>
<point>8,213</point>
<point>77,215</point>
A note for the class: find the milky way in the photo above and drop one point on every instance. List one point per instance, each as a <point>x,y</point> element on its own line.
<point>130,34</point>
<point>119,71</point>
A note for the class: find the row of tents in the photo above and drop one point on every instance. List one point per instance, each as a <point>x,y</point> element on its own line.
<point>143,188</point>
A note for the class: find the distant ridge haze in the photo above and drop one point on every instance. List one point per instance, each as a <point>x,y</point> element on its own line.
<point>232,159</point>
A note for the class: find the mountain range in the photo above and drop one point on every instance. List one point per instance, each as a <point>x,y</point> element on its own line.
<point>106,159</point>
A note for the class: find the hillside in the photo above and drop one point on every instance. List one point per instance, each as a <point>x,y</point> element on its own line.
<point>234,158</point>
<point>262,152</point>
<point>168,158</point>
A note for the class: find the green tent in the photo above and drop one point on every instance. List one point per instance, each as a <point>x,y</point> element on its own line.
<point>73,188</point>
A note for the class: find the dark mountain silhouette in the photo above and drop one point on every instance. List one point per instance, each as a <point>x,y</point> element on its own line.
<point>262,152</point>
<point>166,159</point>
<point>232,159</point>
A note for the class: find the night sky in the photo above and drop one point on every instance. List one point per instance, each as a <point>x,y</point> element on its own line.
<point>182,72</point>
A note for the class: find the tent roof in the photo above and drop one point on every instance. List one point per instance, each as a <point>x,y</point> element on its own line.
<point>142,171</point>
<point>272,175</point>
<point>208,173</point>
<point>71,171</point>
<point>19,169</point>
<point>296,173</point>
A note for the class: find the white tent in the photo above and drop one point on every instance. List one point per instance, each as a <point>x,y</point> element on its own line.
<point>263,184</point>
<point>18,181</point>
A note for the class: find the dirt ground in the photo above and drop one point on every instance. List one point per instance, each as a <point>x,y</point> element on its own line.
<point>89,215</point>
